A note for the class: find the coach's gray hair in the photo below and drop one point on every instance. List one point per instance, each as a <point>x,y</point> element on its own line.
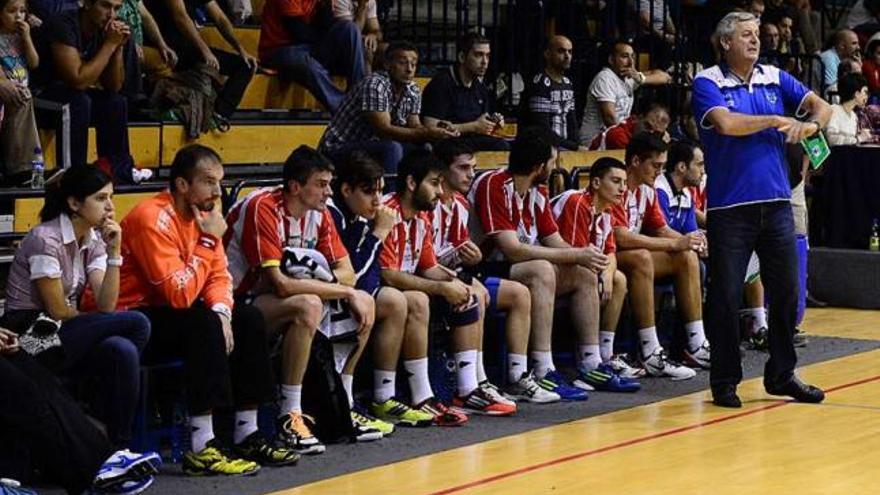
<point>727,26</point>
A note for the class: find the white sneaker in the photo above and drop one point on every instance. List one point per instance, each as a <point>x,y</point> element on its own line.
<point>659,364</point>
<point>493,392</point>
<point>700,358</point>
<point>141,174</point>
<point>625,370</point>
<point>527,389</point>
<point>125,465</point>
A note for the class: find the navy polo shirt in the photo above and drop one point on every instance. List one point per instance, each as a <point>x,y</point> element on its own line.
<point>746,169</point>
<point>446,98</point>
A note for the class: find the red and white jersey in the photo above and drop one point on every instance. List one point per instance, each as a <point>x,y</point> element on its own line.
<point>450,228</point>
<point>260,227</point>
<point>639,211</point>
<point>409,246</point>
<point>500,209</point>
<point>580,225</point>
<point>699,195</point>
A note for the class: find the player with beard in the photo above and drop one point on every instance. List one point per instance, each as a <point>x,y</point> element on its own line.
<point>519,240</point>
<point>175,272</point>
<point>409,263</point>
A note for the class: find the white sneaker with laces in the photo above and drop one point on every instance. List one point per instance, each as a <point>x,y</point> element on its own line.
<point>493,392</point>
<point>700,358</point>
<point>527,389</point>
<point>624,369</point>
<point>659,364</point>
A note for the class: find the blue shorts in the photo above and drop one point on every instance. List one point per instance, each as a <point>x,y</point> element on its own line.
<point>493,285</point>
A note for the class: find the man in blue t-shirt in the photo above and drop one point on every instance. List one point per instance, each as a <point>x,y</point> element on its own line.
<point>685,168</point>
<point>741,107</point>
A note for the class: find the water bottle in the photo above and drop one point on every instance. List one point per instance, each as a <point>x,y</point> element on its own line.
<point>37,169</point>
<point>874,240</point>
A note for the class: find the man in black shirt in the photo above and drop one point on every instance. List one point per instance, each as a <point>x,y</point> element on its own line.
<point>86,50</point>
<point>458,95</point>
<point>548,100</point>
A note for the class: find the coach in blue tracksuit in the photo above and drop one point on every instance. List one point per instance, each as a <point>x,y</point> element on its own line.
<point>741,107</point>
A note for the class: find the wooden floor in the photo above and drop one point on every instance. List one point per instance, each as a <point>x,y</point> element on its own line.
<point>768,447</point>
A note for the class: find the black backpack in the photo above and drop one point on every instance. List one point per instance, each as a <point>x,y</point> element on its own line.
<point>324,397</point>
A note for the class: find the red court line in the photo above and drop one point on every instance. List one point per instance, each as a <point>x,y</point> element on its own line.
<point>636,441</point>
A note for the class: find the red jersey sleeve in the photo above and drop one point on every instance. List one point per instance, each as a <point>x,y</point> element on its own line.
<point>260,239</point>
<point>329,242</point>
<point>610,243</point>
<point>389,257</point>
<point>617,138</point>
<point>494,210</point>
<point>654,219</point>
<point>619,216</point>
<point>569,219</point>
<point>428,258</point>
<point>545,222</point>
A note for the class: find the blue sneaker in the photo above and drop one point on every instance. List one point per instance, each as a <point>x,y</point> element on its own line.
<point>125,465</point>
<point>604,378</point>
<point>555,382</point>
<point>130,487</point>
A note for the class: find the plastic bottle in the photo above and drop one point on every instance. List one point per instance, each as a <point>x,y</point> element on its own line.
<point>37,169</point>
<point>874,240</point>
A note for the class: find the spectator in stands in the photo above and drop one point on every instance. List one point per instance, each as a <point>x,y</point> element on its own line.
<point>843,128</point>
<point>685,168</point>
<point>519,239</point>
<point>871,64</point>
<point>77,244</point>
<point>612,93</point>
<point>294,41</point>
<point>381,114</point>
<point>365,16</point>
<point>45,429</point>
<point>264,227</point>
<point>790,42</point>
<point>181,34</point>
<point>584,219</point>
<point>864,14</point>
<point>846,45</point>
<point>847,66</point>
<point>175,273</point>
<point>135,14</point>
<point>456,251</point>
<point>18,132</point>
<point>656,31</point>
<point>648,250</point>
<point>88,71</point>
<point>458,95</point>
<point>409,263</point>
<point>401,328</point>
<point>654,118</point>
<point>756,8</point>
<point>770,45</point>
<point>749,195</point>
<point>548,99</point>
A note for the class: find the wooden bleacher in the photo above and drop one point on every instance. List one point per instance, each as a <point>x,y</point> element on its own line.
<point>567,159</point>
<point>27,210</point>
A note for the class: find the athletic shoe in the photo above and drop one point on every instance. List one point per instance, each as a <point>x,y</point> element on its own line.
<point>213,460</point>
<point>799,338</point>
<point>758,340</point>
<point>256,447</point>
<point>125,465</point>
<point>295,433</point>
<point>131,487</point>
<point>443,415</point>
<point>621,365</point>
<point>394,411</point>
<point>492,391</point>
<point>10,486</point>
<point>479,402</point>
<point>360,417</point>
<point>605,379</point>
<point>527,389</point>
<point>700,358</point>
<point>659,364</point>
<point>554,382</point>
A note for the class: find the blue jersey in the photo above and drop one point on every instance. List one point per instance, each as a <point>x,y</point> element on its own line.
<point>678,207</point>
<point>363,247</point>
<point>746,169</point>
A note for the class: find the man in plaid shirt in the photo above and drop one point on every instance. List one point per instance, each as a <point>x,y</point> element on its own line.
<point>381,113</point>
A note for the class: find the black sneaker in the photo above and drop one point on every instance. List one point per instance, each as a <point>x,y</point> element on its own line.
<point>256,447</point>
<point>799,338</point>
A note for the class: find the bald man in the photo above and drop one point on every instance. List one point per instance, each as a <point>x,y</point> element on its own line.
<point>846,45</point>
<point>548,100</point>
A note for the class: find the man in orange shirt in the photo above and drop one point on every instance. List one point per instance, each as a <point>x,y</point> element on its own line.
<point>175,273</point>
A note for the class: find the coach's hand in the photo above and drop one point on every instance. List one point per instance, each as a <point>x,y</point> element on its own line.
<point>591,257</point>
<point>795,131</point>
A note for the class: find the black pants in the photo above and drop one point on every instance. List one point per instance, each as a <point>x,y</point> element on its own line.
<point>212,378</point>
<point>42,427</point>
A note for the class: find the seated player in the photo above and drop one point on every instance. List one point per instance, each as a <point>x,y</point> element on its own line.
<point>401,326</point>
<point>647,250</point>
<point>454,250</point>
<point>584,219</point>
<point>518,237</point>
<point>409,264</point>
<point>262,225</point>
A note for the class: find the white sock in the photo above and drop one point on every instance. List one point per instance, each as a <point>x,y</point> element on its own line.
<point>419,383</point>
<point>588,356</point>
<point>383,385</point>
<point>245,424</point>
<point>516,366</point>
<point>542,362</point>
<point>291,398</point>
<point>606,346</point>
<point>346,384</point>
<point>481,370</point>
<point>758,318</point>
<point>695,333</point>
<point>201,431</point>
<point>648,340</point>
<point>466,371</point>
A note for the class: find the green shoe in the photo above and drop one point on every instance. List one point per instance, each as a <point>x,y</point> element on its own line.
<point>360,418</point>
<point>397,412</point>
<point>212,460</point>
<point>255,447</point>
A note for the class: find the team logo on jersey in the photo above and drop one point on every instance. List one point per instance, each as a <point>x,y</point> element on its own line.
<point>771,97</point>
<point>728,98</point>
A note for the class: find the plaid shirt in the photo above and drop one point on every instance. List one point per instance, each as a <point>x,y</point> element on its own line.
<point>373,94</point>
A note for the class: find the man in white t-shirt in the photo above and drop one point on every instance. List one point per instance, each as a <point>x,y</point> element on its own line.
<point>363,14</point>
<point>612,92</point>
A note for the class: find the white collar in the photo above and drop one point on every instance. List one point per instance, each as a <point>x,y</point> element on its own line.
<point>68,235</point>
